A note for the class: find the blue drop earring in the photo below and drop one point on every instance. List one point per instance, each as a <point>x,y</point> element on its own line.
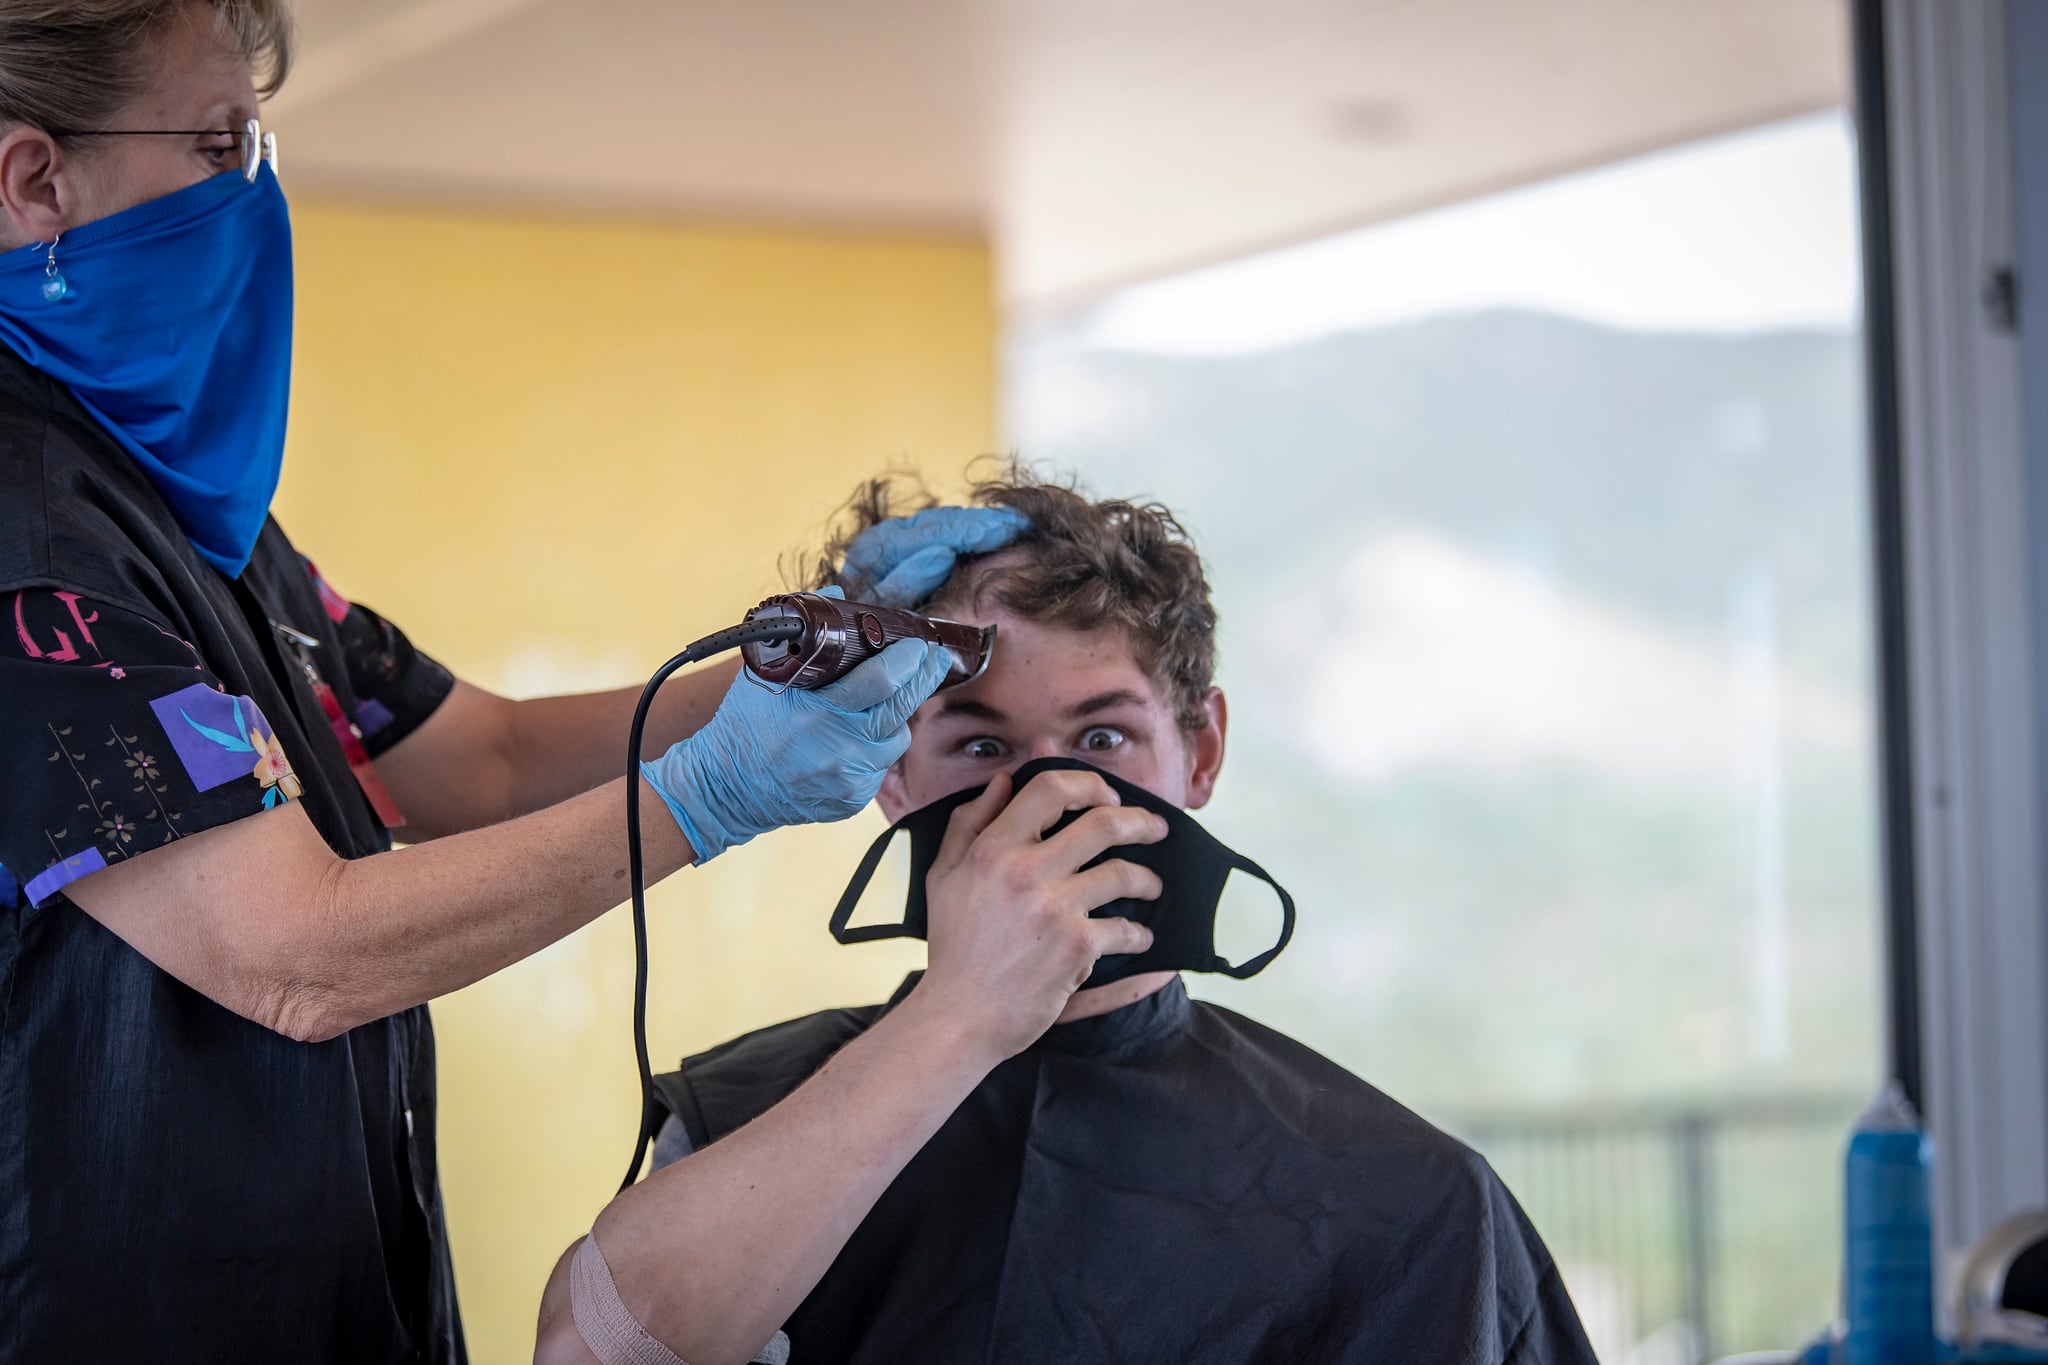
<point>55,286</point>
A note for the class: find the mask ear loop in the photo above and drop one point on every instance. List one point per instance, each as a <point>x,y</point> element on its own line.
<point>855,889</point>
<point>1253,966</point>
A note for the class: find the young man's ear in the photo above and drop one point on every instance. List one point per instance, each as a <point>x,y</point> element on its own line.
<point>1205,749</point>
<point>893,799</point>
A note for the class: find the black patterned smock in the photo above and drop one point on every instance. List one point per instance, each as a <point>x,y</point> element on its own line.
<point>176,1182</point>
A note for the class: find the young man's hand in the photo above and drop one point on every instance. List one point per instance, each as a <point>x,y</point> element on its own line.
<point>1010,934</point>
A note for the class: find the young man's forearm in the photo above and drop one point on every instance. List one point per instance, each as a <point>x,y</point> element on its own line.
<point>712,1254</point>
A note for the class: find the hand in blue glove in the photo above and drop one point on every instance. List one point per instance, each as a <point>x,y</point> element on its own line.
<point>766,759</point>
<point>900,562</point>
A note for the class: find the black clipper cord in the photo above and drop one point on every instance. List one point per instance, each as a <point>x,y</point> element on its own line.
<point>765,630</point>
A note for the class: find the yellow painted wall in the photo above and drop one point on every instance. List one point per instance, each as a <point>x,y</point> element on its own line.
<point>554,453</point>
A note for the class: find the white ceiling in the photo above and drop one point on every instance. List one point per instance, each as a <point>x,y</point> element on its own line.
<point>1096,141</point>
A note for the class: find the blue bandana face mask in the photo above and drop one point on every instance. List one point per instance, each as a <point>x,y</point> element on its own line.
<point>174,329</point>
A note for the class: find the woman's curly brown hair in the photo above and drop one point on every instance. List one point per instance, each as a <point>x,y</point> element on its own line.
<point>1083,564</point>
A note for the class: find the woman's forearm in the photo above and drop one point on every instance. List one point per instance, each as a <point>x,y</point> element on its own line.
<point>562,746</point>
<point>481,759</point>
<point>712,1254</point>
<point>261,916</point>
<point>409,926</point>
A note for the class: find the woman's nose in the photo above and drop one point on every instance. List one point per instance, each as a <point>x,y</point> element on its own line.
<point>1045,748</point>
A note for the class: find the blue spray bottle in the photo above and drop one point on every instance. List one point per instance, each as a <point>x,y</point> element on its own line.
<point>1888,1260</point>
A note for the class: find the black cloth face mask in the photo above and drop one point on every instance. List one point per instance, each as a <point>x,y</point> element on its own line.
<point>1191,862</point>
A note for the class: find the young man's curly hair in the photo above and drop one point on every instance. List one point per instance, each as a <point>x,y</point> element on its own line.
<point>1083,564</point>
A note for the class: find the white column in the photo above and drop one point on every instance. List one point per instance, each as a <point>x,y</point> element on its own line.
<point>1971,614</point>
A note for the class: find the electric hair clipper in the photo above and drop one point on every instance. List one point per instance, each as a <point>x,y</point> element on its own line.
<point>838,636</point>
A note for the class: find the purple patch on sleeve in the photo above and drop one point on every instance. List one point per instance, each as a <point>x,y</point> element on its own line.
<point>372,716</point>
<point>209,730</point>
<point>57,876</point>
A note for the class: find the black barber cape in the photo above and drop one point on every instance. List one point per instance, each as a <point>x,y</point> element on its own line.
<point>178,1184</point>
<point>1171,1182</point>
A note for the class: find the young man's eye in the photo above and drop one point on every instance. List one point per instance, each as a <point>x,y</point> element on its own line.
<point>983,748</point>
<point>1101,738</point>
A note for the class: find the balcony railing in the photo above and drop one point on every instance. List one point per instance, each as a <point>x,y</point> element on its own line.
<point>1684,1233</point>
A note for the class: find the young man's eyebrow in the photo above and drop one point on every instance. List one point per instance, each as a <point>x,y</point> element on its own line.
<point>1104,701</point>
<point>981,710</point>
<point>968,706</point>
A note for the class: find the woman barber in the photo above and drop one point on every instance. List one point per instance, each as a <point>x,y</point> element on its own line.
<point>216,1071</point>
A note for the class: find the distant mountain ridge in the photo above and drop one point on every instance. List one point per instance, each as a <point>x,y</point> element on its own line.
<point>1639,468</point>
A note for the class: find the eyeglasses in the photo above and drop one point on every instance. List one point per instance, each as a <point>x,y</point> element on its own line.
<point>256,145</point>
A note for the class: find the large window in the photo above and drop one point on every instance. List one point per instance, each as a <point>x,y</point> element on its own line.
<point>1537,526</point>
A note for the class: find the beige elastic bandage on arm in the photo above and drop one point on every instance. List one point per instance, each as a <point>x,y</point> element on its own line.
<point>613,1335</point>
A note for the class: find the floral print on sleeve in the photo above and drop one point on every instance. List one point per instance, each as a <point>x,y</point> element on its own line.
<point>117,741</point>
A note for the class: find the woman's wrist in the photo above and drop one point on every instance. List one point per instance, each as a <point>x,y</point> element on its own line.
<point>691,835</point>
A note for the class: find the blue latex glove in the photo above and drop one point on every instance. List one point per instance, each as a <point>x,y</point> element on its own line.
<point>766,760</point>
<point>902,561</point>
